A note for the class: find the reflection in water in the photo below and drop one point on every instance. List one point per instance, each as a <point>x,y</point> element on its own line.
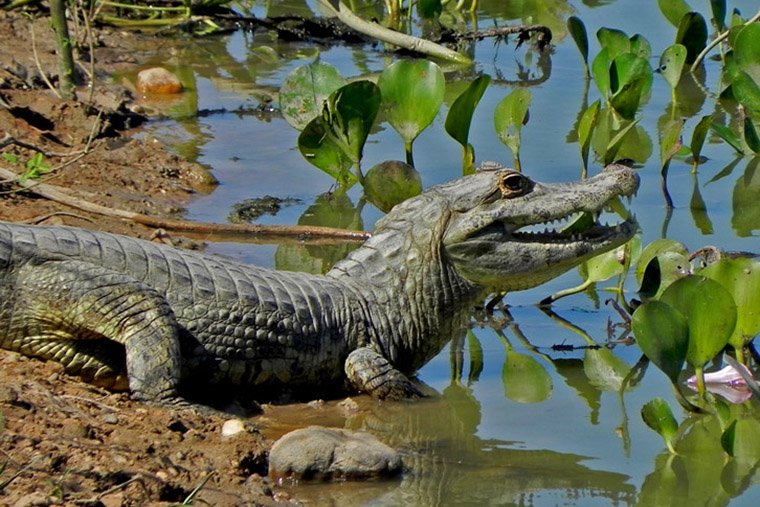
<point>448,464</point>
<point>746,200</point>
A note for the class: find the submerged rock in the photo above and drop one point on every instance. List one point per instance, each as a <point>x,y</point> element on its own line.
<point>328,453</point>
<point>159,81</point>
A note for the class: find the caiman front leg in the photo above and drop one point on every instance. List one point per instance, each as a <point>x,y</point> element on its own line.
<point>72,312</point>
<point>370,372</point>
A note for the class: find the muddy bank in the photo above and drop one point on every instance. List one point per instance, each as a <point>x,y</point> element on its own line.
<point>63,441</point>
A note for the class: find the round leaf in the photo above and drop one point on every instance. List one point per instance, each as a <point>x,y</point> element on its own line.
<point>747,92</point>
<point>600,70</point>
<point>741,277</point>
<point>525,380</point>
<point>509,116</point>
<point>658,416</point>
<point>692,33</point>
<point>710,312</point>
<point>460,114</point>
<point>391,182</point>
<point>304,91</point>
<point>604,369</point>
<point>334,140</point>
<point>747,50</point>
<point>630,80</point>
<point>673,10</point>
<point>578,31</point>
<point>672,62</point>
<point>412,94</point>
<point>662,333</point>
<point>616,41</point>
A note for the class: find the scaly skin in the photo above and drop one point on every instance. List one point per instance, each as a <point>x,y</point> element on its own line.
<point>187,320</point>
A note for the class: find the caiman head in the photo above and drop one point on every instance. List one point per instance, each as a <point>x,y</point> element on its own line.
<point>500,232</point>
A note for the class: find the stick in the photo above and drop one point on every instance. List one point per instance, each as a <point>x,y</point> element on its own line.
<point>264,232</point>
<point>387,35</point>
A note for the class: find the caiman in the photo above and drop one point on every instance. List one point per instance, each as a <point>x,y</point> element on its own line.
<point>168,323</point>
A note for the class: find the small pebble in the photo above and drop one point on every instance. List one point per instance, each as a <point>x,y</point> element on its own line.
<point>111,419</point>
<point>232,427</point>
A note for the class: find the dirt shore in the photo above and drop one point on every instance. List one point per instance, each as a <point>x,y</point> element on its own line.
<point>63,441</point>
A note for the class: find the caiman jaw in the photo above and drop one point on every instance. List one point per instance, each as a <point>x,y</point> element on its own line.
<point>497,243</point>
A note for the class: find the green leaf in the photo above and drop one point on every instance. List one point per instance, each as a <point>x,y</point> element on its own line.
<point>604,266</point>
<point>476,357</point>
<point>747,50</point>
<point>600,70</point>
<point>718,8</point>
<point>673,10</point>
<point>746,200</point>
<point>604,369</point>
<point>671,141</point>
<point>391,182</point>
<point>746,91</point>
<point>727,135</point>
<point>460,114</point>
<point>710,311</point>
<point>671,64</point>
<point>740,440</point>
<point>630,80</point>
<point>657,247</point>
<point>586,126</point>
<point>661,272</point>
<point>662,333</point>
<point>334,141</point>
<point>741,277</point>
<point>692,33</point>
<point>614,139</point>
<point>658,416</point>
<point>412,94</point>
<point>750,135</point>
<point>578,31</point>
<point>525,379</point>
<point>698,138</point>
<point>615,41</point>
<point>304,91</point>
<point>640,46</point>
<point>613,147</point>
<point>509,116</point>
<point>429,8</point>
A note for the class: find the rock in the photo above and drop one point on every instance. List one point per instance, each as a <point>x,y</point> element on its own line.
<point>159,81</point>
<point>232,427</point>
<point>328,453</point>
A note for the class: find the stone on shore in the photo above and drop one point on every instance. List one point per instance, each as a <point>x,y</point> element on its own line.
<point>323,453</point>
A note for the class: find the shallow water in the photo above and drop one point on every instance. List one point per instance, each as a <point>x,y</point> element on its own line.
<point>563,433</point>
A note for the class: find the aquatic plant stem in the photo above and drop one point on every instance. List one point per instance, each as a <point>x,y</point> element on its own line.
<point>717,40</point>
<point>66,71</point>
<point>700,374</point>
<point>381,33</point>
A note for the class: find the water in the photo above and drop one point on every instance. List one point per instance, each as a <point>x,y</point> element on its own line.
<point>562,437</point>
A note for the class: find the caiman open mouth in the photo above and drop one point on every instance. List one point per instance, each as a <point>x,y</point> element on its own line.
<point>577,227</point>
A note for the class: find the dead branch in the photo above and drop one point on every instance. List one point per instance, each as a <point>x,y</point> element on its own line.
<point>262,233</point>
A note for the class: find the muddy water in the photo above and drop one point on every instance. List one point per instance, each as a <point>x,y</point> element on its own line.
<point>535,423</point>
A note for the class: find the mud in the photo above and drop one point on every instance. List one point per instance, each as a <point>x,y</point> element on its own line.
<point>63,441</point>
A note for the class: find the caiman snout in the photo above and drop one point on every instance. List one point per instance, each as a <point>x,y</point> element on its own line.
<point>514,242</point>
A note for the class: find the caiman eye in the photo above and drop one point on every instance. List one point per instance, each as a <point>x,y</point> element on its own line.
<point>513,183</point>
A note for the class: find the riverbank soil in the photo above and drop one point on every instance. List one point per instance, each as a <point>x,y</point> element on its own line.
<point>63,441</point>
